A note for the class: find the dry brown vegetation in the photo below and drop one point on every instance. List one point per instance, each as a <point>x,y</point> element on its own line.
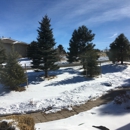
<point>102,54</point>
<point>24,123</point>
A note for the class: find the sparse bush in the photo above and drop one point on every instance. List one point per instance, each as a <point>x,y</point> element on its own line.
<point>122,98</point>
<point>20,89</point>
<point>24,123</point>
<point>6,126</point>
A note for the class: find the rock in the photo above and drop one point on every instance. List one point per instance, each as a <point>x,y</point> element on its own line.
<point>101,127</point>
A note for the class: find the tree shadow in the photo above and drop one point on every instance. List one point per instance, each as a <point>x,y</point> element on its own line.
<point>125,127</point>
<point>37,77</point>
<point>112,108</point>
<point>34,77</point>
<point>68,70</point>
<point>3,90</point>
<point>126,83</point>
<point>74,79</point>
<point>112,68</point>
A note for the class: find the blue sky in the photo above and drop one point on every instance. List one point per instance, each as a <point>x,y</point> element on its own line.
<point>106,18</point>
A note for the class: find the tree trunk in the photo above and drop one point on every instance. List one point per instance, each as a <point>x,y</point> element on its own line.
<point>122,60</point>
<point>46,73</point>
<point>46,68</point>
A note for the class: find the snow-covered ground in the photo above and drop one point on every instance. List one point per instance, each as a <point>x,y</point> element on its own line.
<point>27,62</point>
<point>67,89</point>
<point>111,116</point>
<point>103,58</point>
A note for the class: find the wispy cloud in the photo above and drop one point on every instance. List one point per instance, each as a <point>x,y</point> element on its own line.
<point>20,18</point>
<point>64,13</point>
<point>109,14</point>
<point>90,13</point>
<point>114,35</point>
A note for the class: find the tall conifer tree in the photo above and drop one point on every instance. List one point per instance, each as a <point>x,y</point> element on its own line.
<point>47,55</point>
<point>80,39</point>
<point>119,49</point>
<point>32,49</point>
<point>2,53</point>
<point>74,48</point>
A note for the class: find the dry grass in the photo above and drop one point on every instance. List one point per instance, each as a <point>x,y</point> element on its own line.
<point>24,123</point>
<point>20,89</point>
<point>6,126</point>
<point>102,54</point>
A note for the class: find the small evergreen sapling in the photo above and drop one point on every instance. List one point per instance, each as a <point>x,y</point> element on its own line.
<point>12,75</point>
<point>89,62</point>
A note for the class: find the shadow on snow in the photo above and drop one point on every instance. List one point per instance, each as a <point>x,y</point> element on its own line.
<point>37,77</point>
<point>74,79</point>
<point>3,90</point>
<point>112,68</point>
<point>125,127</point>
<point>113,108</point>
<point>126,83</point>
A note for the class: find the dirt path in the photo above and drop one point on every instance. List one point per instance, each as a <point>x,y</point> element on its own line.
<point>40,117</point>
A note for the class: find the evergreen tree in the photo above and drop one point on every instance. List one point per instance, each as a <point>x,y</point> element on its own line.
<point>89,61</point>
<point>32,49</point>
<point>85,37</point>
<point>74,48</point>
<point>119,49</point>
<point>47,55</point>
<point>12,75</point>
<point>2,54</point>
<point>60,52</point>
<point>112,54</point>
<point>80,39</point>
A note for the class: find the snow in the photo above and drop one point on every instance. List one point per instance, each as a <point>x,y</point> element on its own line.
<point>23,61</point>
<point>103,58</point>
<point>11,121</point>
<point>70,88</point>
<point>112,116</point>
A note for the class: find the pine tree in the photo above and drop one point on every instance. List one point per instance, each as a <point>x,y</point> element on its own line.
<point>47,55</point>
<point>85,37</point>
<point>89,61</point>
<point>78,42</point>
<point>2,54</point>
<point>60,52</point>
<point>12,75</point>
<point>32,49</point>
<point>73,49</point>
<point>119,49</point>
<point>112,54</point>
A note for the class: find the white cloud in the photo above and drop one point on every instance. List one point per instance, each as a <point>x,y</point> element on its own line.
<point>114,35</point>
<point>113,14</point>
<point>65,15</point>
